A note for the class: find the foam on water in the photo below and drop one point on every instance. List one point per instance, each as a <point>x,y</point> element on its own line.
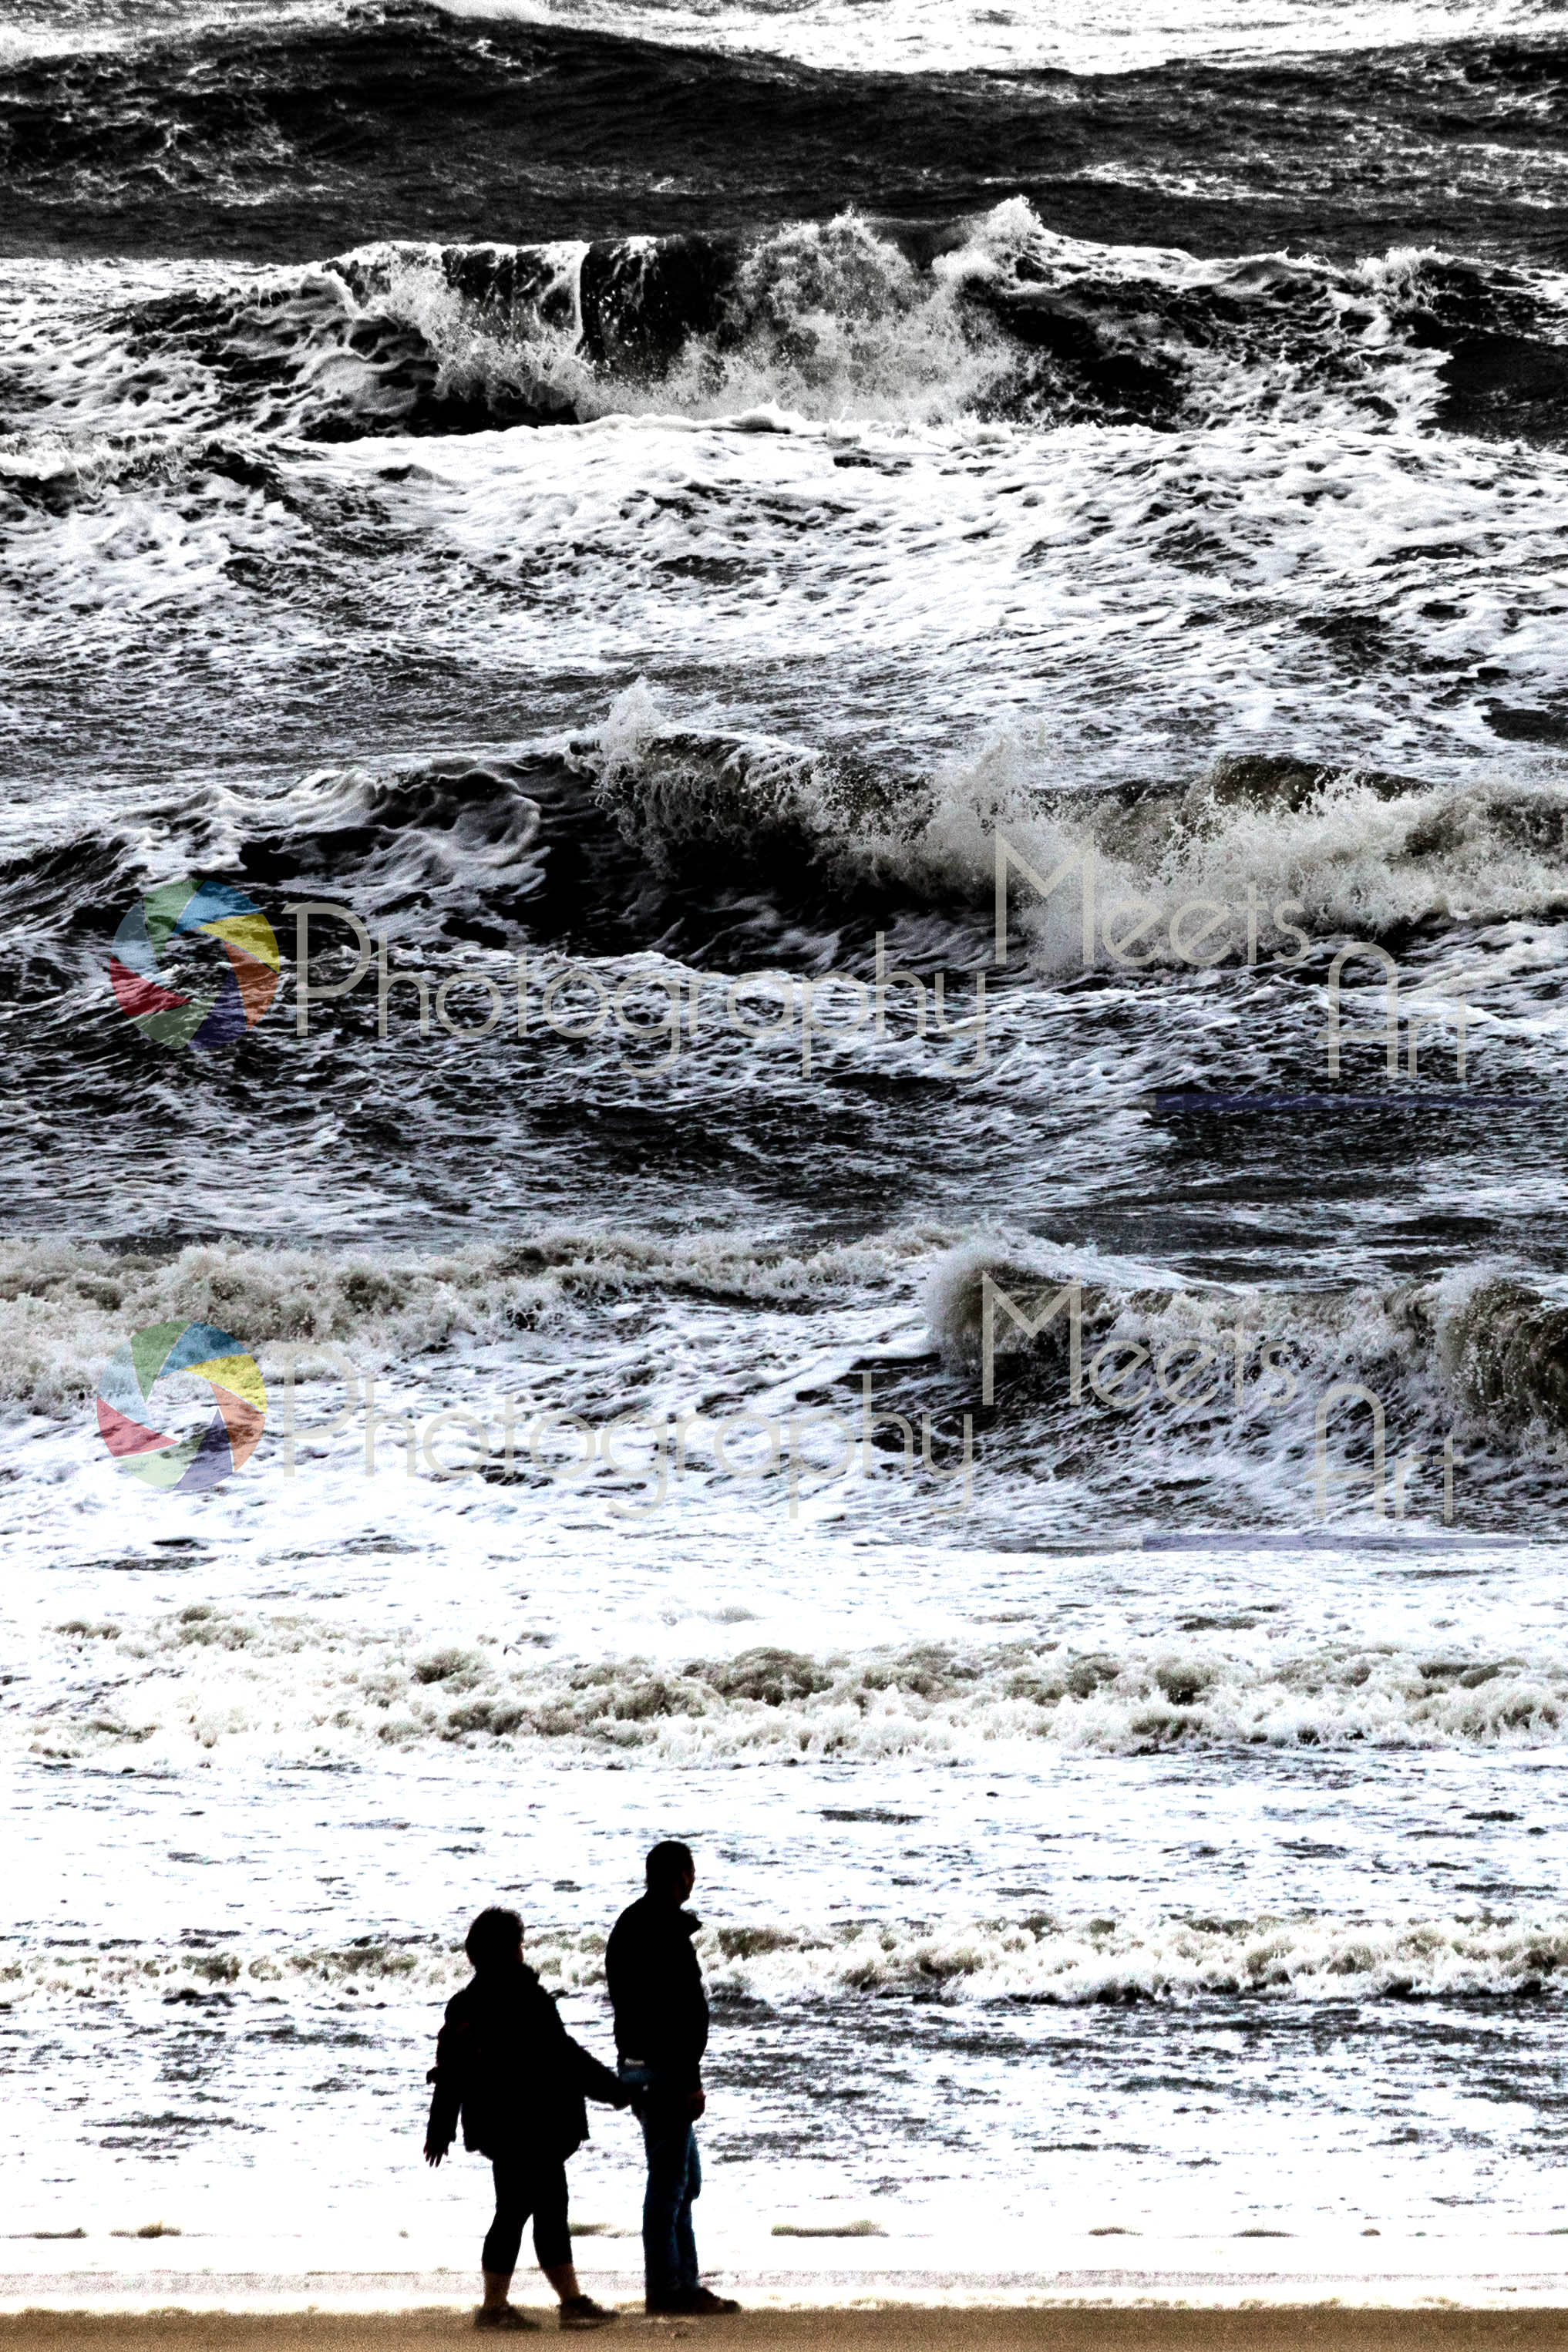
<point>1294,1884</point>
<point>1239,520</point>
<point>726,1379</point>
<point>294,1686</point>
<point>898,36</point>
<point>1112,37</point>
<point>1063,1963</point>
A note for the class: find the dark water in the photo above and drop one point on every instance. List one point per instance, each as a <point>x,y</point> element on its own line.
<point>283,142</point>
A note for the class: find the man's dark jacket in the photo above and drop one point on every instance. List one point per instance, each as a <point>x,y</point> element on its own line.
<point>505,2062</point>
<point>656,1987</point>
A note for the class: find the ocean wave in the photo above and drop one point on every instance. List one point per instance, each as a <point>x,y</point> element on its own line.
<point>1489,1343</point>
<point>999,317</point>
<point>647,830</point>
<point>822,320</point>
<point>996,318</point>
<point>66,1306</point>
<point>1060,1961</point>
<point>263,1683</point>
<point>126,1969</point>
<point>1163,1960</point>
<point>1229,1381</point>
<point>927,36</point>
<point>1342,850</point>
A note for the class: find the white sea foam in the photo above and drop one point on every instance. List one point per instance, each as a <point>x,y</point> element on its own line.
<point>895,35</point>
<point>263,1683</point>
<point>1057,1960</point>
<point>1041,545</point>
<point>66,1306</point>
<point>1114,35</point>
<point>67,28</point>
<point>834,580</point>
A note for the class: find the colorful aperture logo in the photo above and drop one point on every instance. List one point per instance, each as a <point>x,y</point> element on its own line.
<point>195,964</point>
<point>210,1391</point>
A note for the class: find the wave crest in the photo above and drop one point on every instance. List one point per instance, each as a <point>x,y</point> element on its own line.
<point>997,318</point>
<point>210,1677</point>
<point>1060,1961</point>
<point>1489,1342</point>
<point>1312,848</point>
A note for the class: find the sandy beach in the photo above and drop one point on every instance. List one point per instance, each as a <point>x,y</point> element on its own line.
<point>907,2328</point>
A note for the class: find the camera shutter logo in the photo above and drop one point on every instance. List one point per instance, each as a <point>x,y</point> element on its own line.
<point>187,1464</point>
<point>195,964</point>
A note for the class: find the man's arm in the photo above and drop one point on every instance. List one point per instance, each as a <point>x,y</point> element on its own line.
<point>683,1999</point>
<point>698,2007</point>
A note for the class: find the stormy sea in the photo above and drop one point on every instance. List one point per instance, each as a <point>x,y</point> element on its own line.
<point>785,879</point>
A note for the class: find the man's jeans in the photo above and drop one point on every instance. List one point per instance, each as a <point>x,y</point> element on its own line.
<point>674,2181</point>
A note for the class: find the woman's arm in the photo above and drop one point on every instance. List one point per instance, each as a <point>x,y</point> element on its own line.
<point>596,2081</point>
<point>447,2075</point>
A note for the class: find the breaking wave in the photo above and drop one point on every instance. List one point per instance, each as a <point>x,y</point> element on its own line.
<point>257,1684</point>
<point>1114,1960</point>
<point>1337,850</point>
<point>65,1307</point>
<point>999,318</point>
<point>1060,1961</point>
<point>650,832</point>
<point>1487,1341</point>
<point>1484,1351</point>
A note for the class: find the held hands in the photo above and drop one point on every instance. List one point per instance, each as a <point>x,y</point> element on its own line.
<point>694,2102</point>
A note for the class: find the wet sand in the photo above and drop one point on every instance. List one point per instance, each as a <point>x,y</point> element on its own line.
<point>1320,2327</point>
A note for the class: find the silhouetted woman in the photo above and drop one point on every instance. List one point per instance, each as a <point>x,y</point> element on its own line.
<point>506,2063</point>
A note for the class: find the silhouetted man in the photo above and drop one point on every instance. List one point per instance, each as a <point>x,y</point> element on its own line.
<point>508,2065</point>
<point>661,2032</point>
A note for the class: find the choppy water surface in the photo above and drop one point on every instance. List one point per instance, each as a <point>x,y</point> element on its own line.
<point>638,576</point>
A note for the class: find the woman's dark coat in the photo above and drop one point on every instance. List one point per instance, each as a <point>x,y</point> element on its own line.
<point>508,2067</point>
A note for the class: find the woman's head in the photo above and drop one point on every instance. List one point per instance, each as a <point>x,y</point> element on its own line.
<point>494,1941</point>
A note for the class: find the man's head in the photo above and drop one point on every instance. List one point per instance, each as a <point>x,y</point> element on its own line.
<point>494,1941</point>
<point>671,1873</point>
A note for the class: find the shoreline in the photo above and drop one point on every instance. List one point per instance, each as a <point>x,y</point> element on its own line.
<point>170,2278</point>
<point>856,2266</point>
<point>345,2309</point>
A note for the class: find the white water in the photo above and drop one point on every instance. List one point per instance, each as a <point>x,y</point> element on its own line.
<point>929,36</point>
<point>278,1727</point>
